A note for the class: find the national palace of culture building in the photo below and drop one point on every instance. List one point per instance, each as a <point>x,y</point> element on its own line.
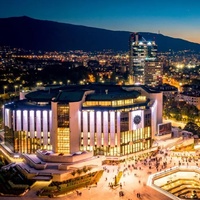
<point>109,120</point>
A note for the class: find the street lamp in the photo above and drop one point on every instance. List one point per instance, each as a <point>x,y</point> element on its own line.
<point>20,87</point>
<point>16,86</point>
<point>4,89</point>
<point>39,84</point>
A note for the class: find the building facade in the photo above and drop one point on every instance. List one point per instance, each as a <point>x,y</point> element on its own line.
<point>192,98</point>
<point>109,120</point>
<point>140,51</point>
<point>169,91</point>
<point>27,126</point>
<point>153,71</point>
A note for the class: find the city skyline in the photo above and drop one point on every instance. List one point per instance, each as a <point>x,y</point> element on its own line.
<point>177,19</point>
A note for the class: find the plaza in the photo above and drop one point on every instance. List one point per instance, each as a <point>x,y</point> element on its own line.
<point>135,179</point>
<point>114,131</point>
<point>136,172</point>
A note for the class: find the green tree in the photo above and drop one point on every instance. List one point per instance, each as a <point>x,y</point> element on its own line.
<point>192,127</point>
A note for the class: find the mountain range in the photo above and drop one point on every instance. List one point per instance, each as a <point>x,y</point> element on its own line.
<point>33,34</point>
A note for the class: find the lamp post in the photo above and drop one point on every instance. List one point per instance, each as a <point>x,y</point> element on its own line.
<point>20,86</point>
<point>4,89</point>
<point>16,86</point>
<point>39,84</point>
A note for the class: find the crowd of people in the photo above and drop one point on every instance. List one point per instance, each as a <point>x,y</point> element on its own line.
<point>137,168</point>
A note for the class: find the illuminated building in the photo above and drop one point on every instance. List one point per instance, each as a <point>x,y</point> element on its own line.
<point>109,120</point>
<point>191,98</point>
<point>153,71</point>
<point>140,51</point>
<point>27,126</point>
<point>168,91</point>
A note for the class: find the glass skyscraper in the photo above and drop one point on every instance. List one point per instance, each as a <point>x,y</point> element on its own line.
<point>140,51</point>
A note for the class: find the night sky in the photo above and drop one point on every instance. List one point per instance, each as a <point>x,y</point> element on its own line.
<point>175,18</point>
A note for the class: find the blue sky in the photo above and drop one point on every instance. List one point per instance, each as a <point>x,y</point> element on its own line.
<point>175,18</point>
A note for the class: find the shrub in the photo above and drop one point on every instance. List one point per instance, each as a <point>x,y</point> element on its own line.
<point>85,169</point>
<point>79,171</point>
<point>73,173</point>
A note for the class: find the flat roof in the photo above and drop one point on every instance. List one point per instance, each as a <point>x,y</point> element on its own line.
<point>25,104</point>
<point>109,95</point>
<point>74,93</point>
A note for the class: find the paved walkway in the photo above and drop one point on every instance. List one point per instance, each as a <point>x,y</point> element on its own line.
<point>133,181</point>
<point>130,187</point>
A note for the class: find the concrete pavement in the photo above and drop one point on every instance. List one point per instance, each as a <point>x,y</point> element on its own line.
<point>133,181</point>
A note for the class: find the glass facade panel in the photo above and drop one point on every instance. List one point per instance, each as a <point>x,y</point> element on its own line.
<point>63,132</point>
<point>63,140</point>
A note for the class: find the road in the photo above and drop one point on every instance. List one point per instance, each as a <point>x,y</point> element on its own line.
<point>175,123</point>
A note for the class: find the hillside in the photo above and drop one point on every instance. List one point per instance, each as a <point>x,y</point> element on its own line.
<point>28,33</point>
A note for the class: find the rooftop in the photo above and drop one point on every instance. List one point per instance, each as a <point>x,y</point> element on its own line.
<point>25,104</point>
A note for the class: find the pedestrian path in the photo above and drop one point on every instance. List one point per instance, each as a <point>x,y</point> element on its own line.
<point>133,182</point>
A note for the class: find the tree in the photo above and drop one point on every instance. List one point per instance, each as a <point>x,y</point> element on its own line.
<point>192,127</point>
<point>79,171</point>
<point>73,173</point>
<point>85,169</point>
<point>192,112</point>
<point>174,112</point>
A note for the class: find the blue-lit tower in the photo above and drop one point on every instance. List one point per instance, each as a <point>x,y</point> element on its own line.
<point>140,51</point>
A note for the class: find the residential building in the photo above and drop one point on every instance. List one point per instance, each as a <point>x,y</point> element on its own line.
<point>153,71</point>
<point>192,98</point>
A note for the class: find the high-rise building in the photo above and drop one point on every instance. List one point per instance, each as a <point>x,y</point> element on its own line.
<point>140,52</point>
<point>153,71</point>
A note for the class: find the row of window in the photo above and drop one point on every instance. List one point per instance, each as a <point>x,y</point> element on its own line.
<point>118,150</point>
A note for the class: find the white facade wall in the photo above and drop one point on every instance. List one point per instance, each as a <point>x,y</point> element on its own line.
<point>112,128</point>
<point>38,123</point>
<point>154,124</point>
<point>14,119</point>
<point>192,100</point>
<point>85,128</point>
<point>75,126</point>
<point>153,96</point>
<point>118,129</point>
<point>45,126</point>
<point>98,127</point>
<point>7,118</point>
<point>19,120</point>
<point>92,120</point>
<point>132,115</point>
<point>105,127</point>
<point>25,120</point>
<point>34,122</point>
<point>104,131</point>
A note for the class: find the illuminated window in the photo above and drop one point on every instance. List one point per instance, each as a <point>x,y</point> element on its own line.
<point>63,140</point>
